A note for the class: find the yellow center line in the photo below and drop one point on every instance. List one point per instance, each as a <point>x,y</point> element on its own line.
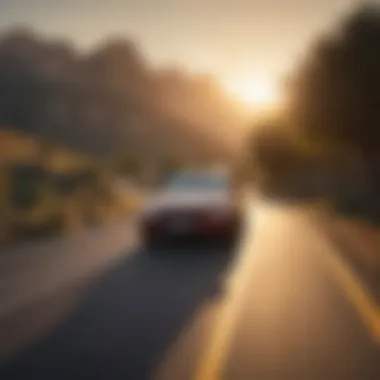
<point>212,362</point>
<point>354,289</point>
<point>356,292</point>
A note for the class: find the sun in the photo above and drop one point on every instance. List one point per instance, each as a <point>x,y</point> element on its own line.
<point>255,93</point>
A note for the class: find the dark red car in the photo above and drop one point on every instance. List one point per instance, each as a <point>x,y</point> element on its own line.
<point>192,205</point>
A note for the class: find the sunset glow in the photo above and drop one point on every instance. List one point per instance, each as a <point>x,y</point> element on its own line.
<point>259,93</point>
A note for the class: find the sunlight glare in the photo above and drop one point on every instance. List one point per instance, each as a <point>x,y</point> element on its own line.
<point>262,93</point>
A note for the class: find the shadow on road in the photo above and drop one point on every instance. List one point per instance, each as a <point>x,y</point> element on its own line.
<point>128,319</point>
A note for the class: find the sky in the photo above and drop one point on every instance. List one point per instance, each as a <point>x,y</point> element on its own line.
<point>234,39</point>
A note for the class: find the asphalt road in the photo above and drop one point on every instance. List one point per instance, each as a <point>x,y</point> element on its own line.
<point>293,314</point>
<point>129,323</point>
<point>283,315</point>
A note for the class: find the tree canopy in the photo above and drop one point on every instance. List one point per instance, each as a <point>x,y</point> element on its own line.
<point>335,95</point>
<point>326,143</point>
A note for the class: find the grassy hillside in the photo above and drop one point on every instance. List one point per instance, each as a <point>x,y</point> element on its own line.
<point>46,189</point>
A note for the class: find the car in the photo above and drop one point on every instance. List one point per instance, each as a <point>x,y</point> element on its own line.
<point>192,205</point>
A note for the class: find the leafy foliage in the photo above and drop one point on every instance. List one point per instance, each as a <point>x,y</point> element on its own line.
<point>326,143</point>
<point>336,93</point>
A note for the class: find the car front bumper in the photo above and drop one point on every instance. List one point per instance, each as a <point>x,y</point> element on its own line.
<point>191,235</point>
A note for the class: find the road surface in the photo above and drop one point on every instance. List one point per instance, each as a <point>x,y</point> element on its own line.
<point>283,314</point>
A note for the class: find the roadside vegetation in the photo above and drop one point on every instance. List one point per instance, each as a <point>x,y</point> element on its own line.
<point>324,145</point>
<point>47,190</point>
<point>322,150</point>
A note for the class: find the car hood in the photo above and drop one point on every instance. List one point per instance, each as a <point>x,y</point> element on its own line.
<point>187,200</point>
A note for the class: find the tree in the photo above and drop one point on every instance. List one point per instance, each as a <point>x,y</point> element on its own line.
<point>273,158</point>
<point>335,95</point>
<point>335,104</point>
<point>281,168</point>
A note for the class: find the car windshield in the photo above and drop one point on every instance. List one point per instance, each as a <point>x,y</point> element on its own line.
<point>198,181</point>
